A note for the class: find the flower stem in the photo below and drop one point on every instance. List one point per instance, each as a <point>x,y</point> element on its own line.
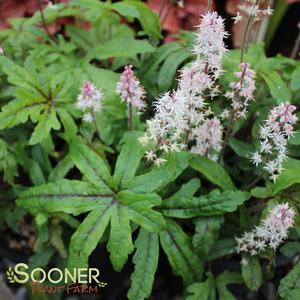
<point>163,4</point>
<point>228,135</point>
<point>253,183</point>
<point>245,38</point>
<point>130,125</point>
<point>96,126</point>
<point>209,5</point>
<point>44,21</point>
<point>246,33</point>
<point>166,16</point>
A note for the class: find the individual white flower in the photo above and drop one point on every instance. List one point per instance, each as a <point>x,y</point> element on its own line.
<point>265,146</point>
<point>237,18</point>
<point>268,11</point>
<point>256,158</point>
<point>88,118</point>
<point>253,10</point>
<point>274,134</point>
<point>159,161</point>
<point>89,101</point>
<point>150,155</point>
<point>130,89</point>
<point>272,231</point>
<point>224,114</point>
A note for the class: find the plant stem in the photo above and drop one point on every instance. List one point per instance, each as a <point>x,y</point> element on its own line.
<point>130,125</point>
<point>166,16</point>
<point>253,183</point>
<point>228,135</point>
<point>245,38</point>
<point>44,21</point>
<point>163,4</point>
<point>296,46</point>
<point>209,4</point>
<point>246,33</point>
<point>96,126</point>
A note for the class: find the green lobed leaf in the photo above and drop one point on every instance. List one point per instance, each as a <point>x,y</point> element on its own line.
<point>139,209</point>
<point>18,111</point>
<point>20,77</point>
<point>90,164</point>
<point>202,290</point>
<point>46,121</point>
<point>252,272</point>
<point>241,148</point>
<point>277,87</point>
<point>295,82</point>
<point>212,171</point>
<point>125,9</point>
<point>178,248</point>
<point>213,204</point>
<point>289,288</point>
<point>158,178</point>
<point>149,20</point>
<point>61,169</point>
<point>120,242</point>
<point>221,248</point>
<point>290,249</point>
<point>145,261</point>
<point>206,233</point>
<point>87,236</point>
<point>128,162</point>
<point>223,280</point>
<point>69,196</point>
<point>56,239</point>
<point>169,67</point>
<point>188,189</point>
<point>115,48</point>
<point>69,125</point>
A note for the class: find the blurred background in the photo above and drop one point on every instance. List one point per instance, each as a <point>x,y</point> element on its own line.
<point>176,15</point>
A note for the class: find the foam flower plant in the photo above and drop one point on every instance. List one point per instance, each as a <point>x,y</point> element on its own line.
<point>189,194</point>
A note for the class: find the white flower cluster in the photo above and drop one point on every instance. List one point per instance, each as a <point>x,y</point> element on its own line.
<point>270,233</point>
<point>242,91</point>
<point>252,9</point>
<point>274,135</point>
<point>208,136</point>
<point>130,90</point>
<point>209,47</point>
<point>182,116</point>
<point>89,101</point>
